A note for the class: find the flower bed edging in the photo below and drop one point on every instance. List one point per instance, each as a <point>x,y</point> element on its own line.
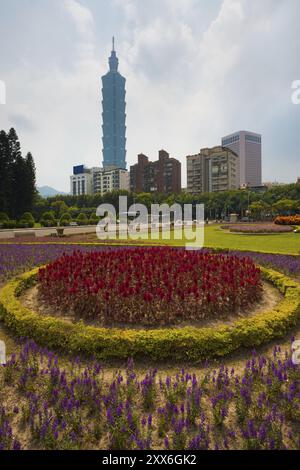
<point>180,344</point>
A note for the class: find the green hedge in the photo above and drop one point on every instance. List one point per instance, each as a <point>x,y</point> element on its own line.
<point>180,344</point>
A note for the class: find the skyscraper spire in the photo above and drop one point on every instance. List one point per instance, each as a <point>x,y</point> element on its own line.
<point>113,60</point>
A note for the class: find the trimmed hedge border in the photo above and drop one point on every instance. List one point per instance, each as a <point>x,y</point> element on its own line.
<point>180,344</point>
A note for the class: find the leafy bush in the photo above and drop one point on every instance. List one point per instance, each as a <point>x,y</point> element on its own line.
<point>82,219</point>
<point>48,219</point>
<point>94,219</point>
<point>65,219</point>
<point>189,343</point>
<point>9,224</point>
<point>26,221</point>
<point>3,217</point>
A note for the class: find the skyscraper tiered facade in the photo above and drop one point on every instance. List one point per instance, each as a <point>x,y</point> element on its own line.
<point>113,116</point>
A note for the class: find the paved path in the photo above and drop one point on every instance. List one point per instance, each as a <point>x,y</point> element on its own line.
<point>44,232</point>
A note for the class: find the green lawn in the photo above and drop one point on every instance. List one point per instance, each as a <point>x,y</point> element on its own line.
<point>214,237</point>
<point>285,243</point>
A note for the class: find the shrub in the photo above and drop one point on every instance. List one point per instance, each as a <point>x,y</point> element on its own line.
<point>149,286</point>
<point>287,220</point>
<point>3,217</point>
<point>65,219</point>
<point>82,219</point>
<point>48,219</point>
<point>26,220</point>
<point>9,224</point>
<point>94,219</point>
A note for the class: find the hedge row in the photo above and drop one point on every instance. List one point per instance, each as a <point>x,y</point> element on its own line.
<point>180,344</point>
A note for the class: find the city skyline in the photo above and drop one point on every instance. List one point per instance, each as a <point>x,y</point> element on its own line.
<point>189,82</point>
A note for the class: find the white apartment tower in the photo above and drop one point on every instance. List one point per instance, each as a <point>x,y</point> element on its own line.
<point>98,180</point>
<point>247,145</point>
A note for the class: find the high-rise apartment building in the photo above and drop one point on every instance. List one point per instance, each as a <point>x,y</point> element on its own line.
<point>113,115</point>
<point>247,145</point>
<point>212,170</point>
<point>162,176</point>
<point>107,180</point>
<point>98,180</point>
<point>81,181</point>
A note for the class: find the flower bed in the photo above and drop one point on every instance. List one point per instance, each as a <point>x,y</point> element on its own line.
<point>182,344</point>
<point>153,286</point>
<point>50,405</point>
<point>287,264</point>
<point>15,258</point>
<point>258,228</point>
<point>287,220</point>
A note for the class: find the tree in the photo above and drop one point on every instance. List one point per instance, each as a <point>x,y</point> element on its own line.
<point>259,209</point>
<point>284,206</point>
<point>19,205</point>
<point>6,161</point>
<point>40,207</point>
<point>59,208</point>
<point>17,176</point>
<point>30,182</point>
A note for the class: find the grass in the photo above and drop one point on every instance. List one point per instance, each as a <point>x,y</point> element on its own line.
<point>283,243</point>
<point>215,237</point>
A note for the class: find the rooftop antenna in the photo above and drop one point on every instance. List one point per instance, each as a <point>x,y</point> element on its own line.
<point>113,43</point>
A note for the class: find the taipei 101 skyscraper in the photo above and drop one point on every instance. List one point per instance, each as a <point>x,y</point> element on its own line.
<point>113,115</point>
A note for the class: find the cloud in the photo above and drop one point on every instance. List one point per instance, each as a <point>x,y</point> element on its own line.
<point>81,15</point>
<point>23,122</point>
<point>195,70</point>
<point>197,84</point>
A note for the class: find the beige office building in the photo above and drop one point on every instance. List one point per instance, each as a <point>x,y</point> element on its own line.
<point>212,170</point>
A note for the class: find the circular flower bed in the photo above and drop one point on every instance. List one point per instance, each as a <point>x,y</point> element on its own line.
<point>177,344</point>
<point>155,286</point>
<point>258,228</point>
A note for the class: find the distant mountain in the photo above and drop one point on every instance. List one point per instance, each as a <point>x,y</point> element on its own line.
<point>47,191</point>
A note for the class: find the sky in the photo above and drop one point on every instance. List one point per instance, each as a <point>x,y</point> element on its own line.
<point>195,71</point>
